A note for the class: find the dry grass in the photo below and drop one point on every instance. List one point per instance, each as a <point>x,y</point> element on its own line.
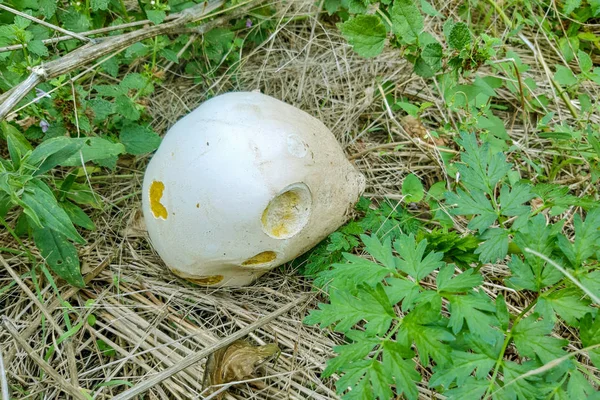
<point>152,319</point>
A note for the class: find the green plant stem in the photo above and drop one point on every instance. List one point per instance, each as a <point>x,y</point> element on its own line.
<point>507,341</point>
<point>122,2</point>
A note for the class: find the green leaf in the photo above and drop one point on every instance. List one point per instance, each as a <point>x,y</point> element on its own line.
<point>38,48</point>
<point>511,200</point>
<point>585,61</point>
<point>463,365</point>
<point>459,36</point>
<point>44,211</point>
<point>348,353</point>
<point>75,21</point>
<point>78,216</point>
<point>382,252</point>
<point>570,304</point>
<point>357,270</point>
<point>138,139</point>
<point>94,149</point>
<point>217,43</point>
<point>464,282</point>
<point>365,33</point>
<point>126,107</point>
<point>99,4</point>
<point>429,9</point>
<point>570,5</point>
<point>471,389</point>
<point>589,332</point>
<point>133,80</point>
<point>474,203</point>
<point>403,371</point>
<point>53,152</point>
<point>59,253</point>
<point>47,8</point>
<point>502,312</point>
<point>494,247</point>
<point>412,259</point>
<point>532,340</point>
<point>345,311</point>
<point>564,76</point>
<point>101,108</point>
<point>407,21</point>
<point>412,189</point>
<point>433,54</point>
<point>523,276</point>
<point>399,289</point>
<point>156,16</point>
<point>471,308</point>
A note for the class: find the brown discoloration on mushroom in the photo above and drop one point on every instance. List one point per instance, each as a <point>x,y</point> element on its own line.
<point>156,191</point>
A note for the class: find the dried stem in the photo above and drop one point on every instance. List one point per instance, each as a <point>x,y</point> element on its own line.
<point>194,358</point>
<point>90,52</point>
<point>66,386</point>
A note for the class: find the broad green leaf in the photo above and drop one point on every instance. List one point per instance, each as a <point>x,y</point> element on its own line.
<point>460,36</point>
<point>101,108</point>
<point>47,8</point>
<point>94,149</point>
<point>42,208</point>
<point>60,254</point>
<point>474,203</point>
<point>354,272</point>
<point>78,216</point>
<point>412,189</point>
<point>564,76</point>
<point>585,61</point>
<point>432,54</point>
<point>133,81</point>
<point>589,332</point>
<point>570,5</point>
<point>365,33</point>
<point>38,48</point>
<point>429,9</point>
<point>138,139</point>
<point>381,251</point>
<point>54,152</point>
<point>127,108</point>
<point>407,21</point>
<point>463,365</point>
<point>156,16</point>
<point>361,346</point>
<point>471,389</point>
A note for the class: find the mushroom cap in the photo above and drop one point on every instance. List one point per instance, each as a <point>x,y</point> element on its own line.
<point>242,184</point>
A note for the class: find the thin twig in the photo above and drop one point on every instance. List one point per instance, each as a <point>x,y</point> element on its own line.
<point>66,386</point>
<point>88,53</point>
<point>194,358</point>
<point>46,24</point>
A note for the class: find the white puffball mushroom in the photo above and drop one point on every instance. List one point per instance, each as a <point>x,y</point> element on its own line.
<point>242,184</point>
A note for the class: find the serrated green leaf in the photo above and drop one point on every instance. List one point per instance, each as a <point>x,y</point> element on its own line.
<point>532,340</point>
<point>350,353</point>
<point>75,21</point>
<point>570,304</point>
<point>412,189</point>
<point>502,312</point>
<point>471,389</point>
<point>412,259</point>
<point>460,283</point>
<point>99,4</point>
<point>585,61</point>
<point>511,201</point>
<point>365,33</point>
<point>459,36</point>
<point>101,108</point>
<point>474,203</point>
<point>564,76</point>
<point>156,16</point>
<point>138,139</point>
<point>432,54</point>
<point>38,48</point>
<point>355,271</point>
<point>589,332</point>
<point>429,9</point>
<point>407,21</point>
<point>381,251</point>
<point>463,365</point>
<point>47,8</point>
<point>133,81</point>
<point>399,289</point>
<point>418,327</point>
<point>494,247</point>
<point>345,310</point>
<point>59,253</point>
<point>475,309</point>
<point>570,5</point>
<point>402,370</point>
<point>126,107</point>
<point>44,211</point>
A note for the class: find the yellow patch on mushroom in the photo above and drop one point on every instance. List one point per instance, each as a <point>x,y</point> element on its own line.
<point>198,280</point>
<point>287,213</point>
<point>156,192</point>
<point>261,258</point>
